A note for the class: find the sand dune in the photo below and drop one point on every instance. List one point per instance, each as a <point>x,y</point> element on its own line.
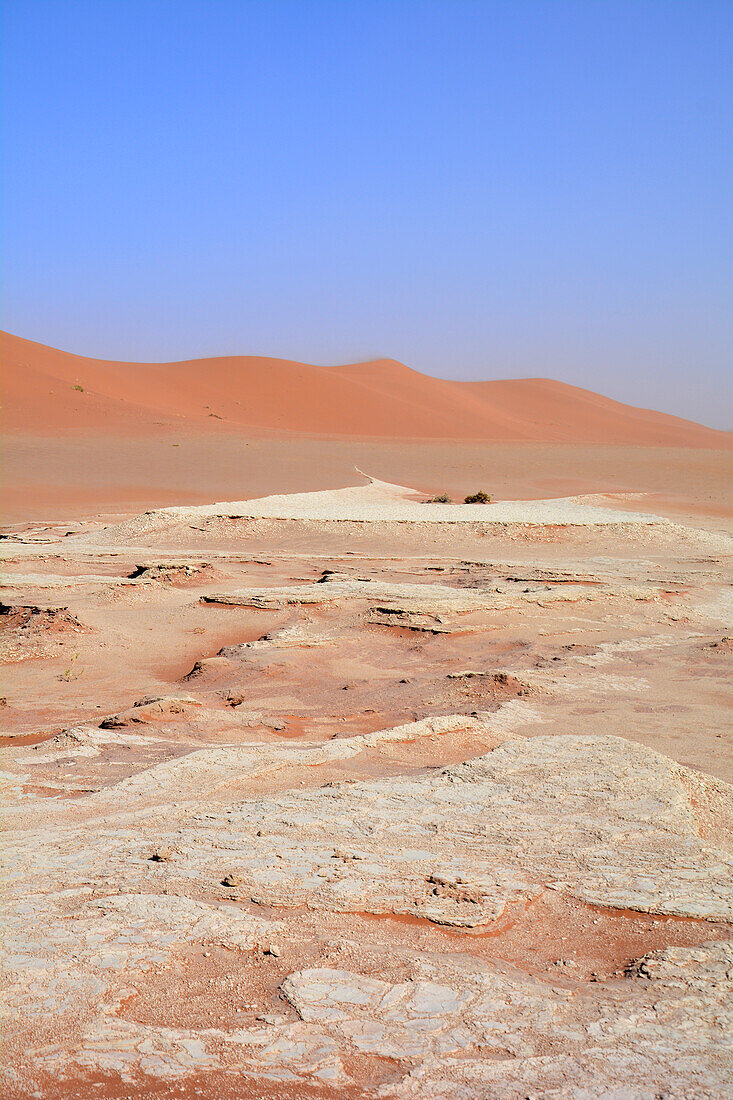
<point>52,392</point>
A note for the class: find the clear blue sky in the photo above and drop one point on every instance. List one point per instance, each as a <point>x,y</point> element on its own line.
<point>481,190</point>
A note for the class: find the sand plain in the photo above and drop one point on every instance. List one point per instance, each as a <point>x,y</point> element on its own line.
<point>339,793</point>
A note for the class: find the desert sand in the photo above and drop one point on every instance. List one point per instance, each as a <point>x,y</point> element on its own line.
<point>136,436</point>
<point>316,789</point>
<point>51,391</point>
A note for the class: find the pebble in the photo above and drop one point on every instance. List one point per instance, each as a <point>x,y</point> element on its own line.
<point>162,855</point>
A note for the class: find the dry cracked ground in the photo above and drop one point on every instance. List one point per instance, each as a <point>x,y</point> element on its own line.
<point>349,795</point>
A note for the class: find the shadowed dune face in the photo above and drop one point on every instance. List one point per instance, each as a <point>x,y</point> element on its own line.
<point>56,393</point>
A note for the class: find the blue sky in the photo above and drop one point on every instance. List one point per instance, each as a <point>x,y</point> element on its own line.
<point>481,190</point>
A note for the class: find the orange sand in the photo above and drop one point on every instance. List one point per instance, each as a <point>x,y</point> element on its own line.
<point>382,399</point>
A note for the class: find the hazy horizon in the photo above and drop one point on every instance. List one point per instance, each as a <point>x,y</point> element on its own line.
<point>478,190</point>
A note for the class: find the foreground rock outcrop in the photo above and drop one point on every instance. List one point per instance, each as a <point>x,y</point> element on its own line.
<point>595,821</point>
<point>400,823</point>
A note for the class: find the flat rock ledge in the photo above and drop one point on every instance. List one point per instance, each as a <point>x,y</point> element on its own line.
<point>593,818</point>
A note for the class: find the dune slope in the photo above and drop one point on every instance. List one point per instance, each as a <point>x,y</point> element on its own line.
<point>52,392</point>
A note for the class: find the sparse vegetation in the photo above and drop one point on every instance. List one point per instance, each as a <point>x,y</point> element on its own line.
<point>79,388</point>
<point>478,498</point>
<point>72,672</point>
<point>441,498</point>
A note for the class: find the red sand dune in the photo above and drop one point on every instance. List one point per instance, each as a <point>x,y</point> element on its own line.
<point>52,392</point>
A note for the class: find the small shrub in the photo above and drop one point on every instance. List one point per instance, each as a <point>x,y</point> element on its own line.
<point>441,498</point>
<point>71,673</point>
<point>79,388</point>
<point>478,498</point>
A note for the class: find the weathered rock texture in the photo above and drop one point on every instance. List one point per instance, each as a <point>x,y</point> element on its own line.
<point>393,821</point>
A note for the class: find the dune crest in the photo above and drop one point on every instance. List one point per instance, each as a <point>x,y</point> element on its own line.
<point>52,392</point>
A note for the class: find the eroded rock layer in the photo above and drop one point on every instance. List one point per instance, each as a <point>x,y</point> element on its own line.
<point>389,814</point>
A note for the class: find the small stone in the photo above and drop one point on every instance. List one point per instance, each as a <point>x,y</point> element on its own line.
<point>274,950</point>
<point>162,855</point>
<point>231,879</point>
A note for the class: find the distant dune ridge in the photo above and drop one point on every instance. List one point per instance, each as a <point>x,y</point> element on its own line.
<point>52,392</point>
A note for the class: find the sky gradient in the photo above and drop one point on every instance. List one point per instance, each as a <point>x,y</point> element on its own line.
<point>480,190</point>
